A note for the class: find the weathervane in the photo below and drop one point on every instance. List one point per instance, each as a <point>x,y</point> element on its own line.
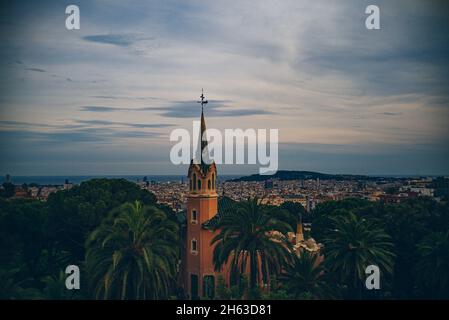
<point>203,102</point>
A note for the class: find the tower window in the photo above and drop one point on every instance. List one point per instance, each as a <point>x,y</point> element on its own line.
<point>193,247</point>
<point>208,184</point>
<point>194,217</point>
<point>199,184</point>
<point>213,181</point>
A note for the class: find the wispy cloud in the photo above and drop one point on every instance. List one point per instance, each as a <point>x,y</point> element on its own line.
<point>113,97</point>
<point>94,135</point>
<point>35,69</point>
<point>80,124</point>
<point>13,123</point>
<point>188,109</point>
<point>391,113</point>
<point>121,40</point>
<point>102,109</point>
<point>125,124</point>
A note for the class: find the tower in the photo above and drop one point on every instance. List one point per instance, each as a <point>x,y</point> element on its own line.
<point>202,205</point>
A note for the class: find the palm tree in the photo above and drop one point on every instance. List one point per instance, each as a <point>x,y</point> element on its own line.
<point>250,236</point>
<point>354,244</point>
<point>133,254</point>
<point>55,288</point>
<point>13,285</point>
<point>432,269</point>
<point>304,276</point>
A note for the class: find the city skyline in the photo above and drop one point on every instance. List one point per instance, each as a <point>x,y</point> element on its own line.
<point>103,100</point>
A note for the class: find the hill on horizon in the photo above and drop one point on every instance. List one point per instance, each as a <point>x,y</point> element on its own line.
<point>304,175</point>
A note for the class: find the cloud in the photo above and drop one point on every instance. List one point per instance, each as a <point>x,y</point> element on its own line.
<point>391,113</point>
<point>101,109</point>
<point>121,40</point>
<point>35,69</point>
<point>438,101</point>
<point>112,97</point>
<point>80,124</point>
<point>12,123</point>
<point>105,97</point>
<point>125,124</point>
<point>310,68</point>
<point>214,108</point>
<point>188,109</point>
<point>27,125</point>
<point>387,62</point>
<point>93,135</point>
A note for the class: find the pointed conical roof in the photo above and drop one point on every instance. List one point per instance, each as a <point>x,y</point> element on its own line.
<point>202,159</point>
<point>205,162</point>
<point>203,135</point>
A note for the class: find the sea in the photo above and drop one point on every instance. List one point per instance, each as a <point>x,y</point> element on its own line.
<point>60,180</point>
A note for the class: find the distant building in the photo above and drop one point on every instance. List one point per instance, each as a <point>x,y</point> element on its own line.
<point>268,184</point>
<point>67,185</point>
<point>20,192</point>
<point>310,204</point>
<point>296,199</point>
<point>391,198</point>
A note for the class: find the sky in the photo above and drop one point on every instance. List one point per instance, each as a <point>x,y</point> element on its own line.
<point>103,100</point>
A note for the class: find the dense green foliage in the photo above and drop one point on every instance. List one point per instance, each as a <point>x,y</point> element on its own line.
<point>352,244</point>
<point>128,250</point>
<point>133,254</point>
<point>408,241</point>
<point>7,190</point>
<point>251,236</point>
<point>415,231</point>
<point>432,268</point>
<point>73,214</point>
<point>304,277</point>
<point>26,248</point>
<point>294,213</point>
<point>39,239</point>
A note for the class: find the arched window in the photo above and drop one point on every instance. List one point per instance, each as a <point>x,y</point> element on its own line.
<point>213,181</point>
<point>208,184</point>
<point>199,184</point>
<point>190,184</point>
<point>193,246</point>
<point>194,217</point>
<point>194,181</point>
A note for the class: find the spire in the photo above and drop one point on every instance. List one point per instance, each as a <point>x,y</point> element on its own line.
<point>202,133</point>
<point>203,130</point>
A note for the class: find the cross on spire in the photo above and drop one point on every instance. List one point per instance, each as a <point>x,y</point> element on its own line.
<point>203,102</point>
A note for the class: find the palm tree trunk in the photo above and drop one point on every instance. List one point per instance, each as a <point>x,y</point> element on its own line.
<point>253,270</point>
